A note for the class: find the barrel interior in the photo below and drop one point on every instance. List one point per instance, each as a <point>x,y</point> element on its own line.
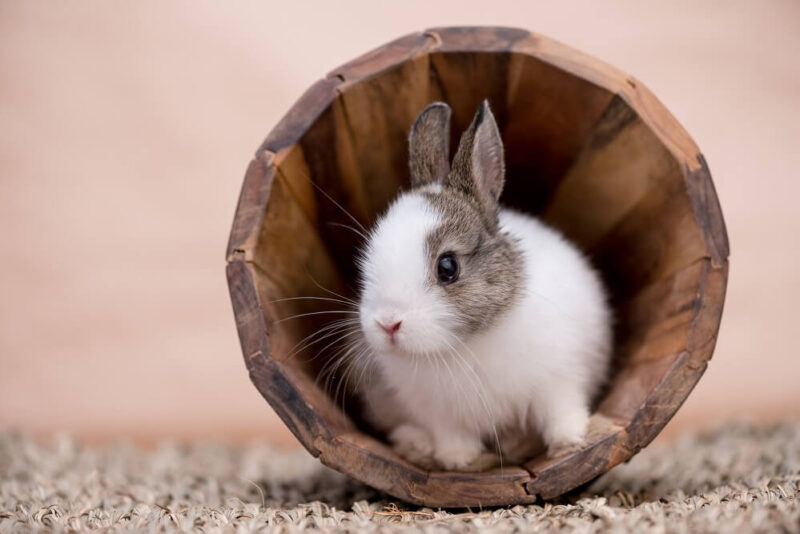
<point>577,155</point>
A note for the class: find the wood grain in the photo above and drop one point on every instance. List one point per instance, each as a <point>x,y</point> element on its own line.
<point>552,115</point>
<point>305,423</point>
<point>373,118</point>
<point>617,165</point>
<point>588,147</point>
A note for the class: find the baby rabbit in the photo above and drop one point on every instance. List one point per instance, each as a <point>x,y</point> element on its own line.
<point>479,320</point>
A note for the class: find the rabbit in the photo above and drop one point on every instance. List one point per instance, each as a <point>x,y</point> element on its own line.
<point>480,321</point>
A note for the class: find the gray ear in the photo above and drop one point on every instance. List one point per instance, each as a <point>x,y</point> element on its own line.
<point>429,145</point>
<point>479,167</point>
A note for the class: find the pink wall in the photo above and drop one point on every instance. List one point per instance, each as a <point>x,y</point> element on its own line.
<point>126,129</point>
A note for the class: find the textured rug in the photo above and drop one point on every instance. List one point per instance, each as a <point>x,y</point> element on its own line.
<point>738,478</point>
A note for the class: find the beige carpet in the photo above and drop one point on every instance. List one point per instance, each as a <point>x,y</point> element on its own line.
<point>737,479</point>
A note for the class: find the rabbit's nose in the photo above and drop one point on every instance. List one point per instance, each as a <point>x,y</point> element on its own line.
<point>390,327</point>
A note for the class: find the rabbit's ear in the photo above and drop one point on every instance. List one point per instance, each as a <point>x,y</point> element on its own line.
<point>429,145</point>
<point>479,167</point>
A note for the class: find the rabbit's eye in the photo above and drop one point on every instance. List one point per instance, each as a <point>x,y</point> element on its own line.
<point>447,268</point>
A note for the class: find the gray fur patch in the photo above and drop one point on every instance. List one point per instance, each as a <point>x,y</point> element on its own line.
<point>490,262</point>
<point>491,270</point>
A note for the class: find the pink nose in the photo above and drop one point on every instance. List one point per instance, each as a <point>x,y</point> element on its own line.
<point>390,328</point>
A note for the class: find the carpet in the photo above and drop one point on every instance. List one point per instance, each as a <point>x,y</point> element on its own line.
<point>737,478</point>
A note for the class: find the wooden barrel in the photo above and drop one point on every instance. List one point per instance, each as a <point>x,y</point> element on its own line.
<point>588,148</point>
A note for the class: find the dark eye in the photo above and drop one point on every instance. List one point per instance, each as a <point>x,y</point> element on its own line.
<point>447,268</point>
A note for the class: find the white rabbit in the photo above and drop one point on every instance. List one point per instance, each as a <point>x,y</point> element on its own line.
<point>481,322</point>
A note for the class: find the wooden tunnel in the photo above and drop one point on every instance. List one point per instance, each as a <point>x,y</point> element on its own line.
<point>588,148</point>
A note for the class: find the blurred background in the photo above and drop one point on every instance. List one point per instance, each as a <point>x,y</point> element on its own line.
<point>126,127</point>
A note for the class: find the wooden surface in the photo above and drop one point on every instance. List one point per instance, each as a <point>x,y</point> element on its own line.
<point>589,148</point>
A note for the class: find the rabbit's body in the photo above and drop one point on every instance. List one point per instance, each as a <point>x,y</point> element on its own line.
<point>516,342</point>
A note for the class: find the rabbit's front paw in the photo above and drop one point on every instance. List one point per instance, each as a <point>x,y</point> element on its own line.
<point>458,455</point>
<point>558,449</point>
<point>412,443</point>
<point>566,432</point>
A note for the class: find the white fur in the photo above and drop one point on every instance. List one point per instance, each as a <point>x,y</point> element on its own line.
<point>535,368</point>
<point>394,270</point>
